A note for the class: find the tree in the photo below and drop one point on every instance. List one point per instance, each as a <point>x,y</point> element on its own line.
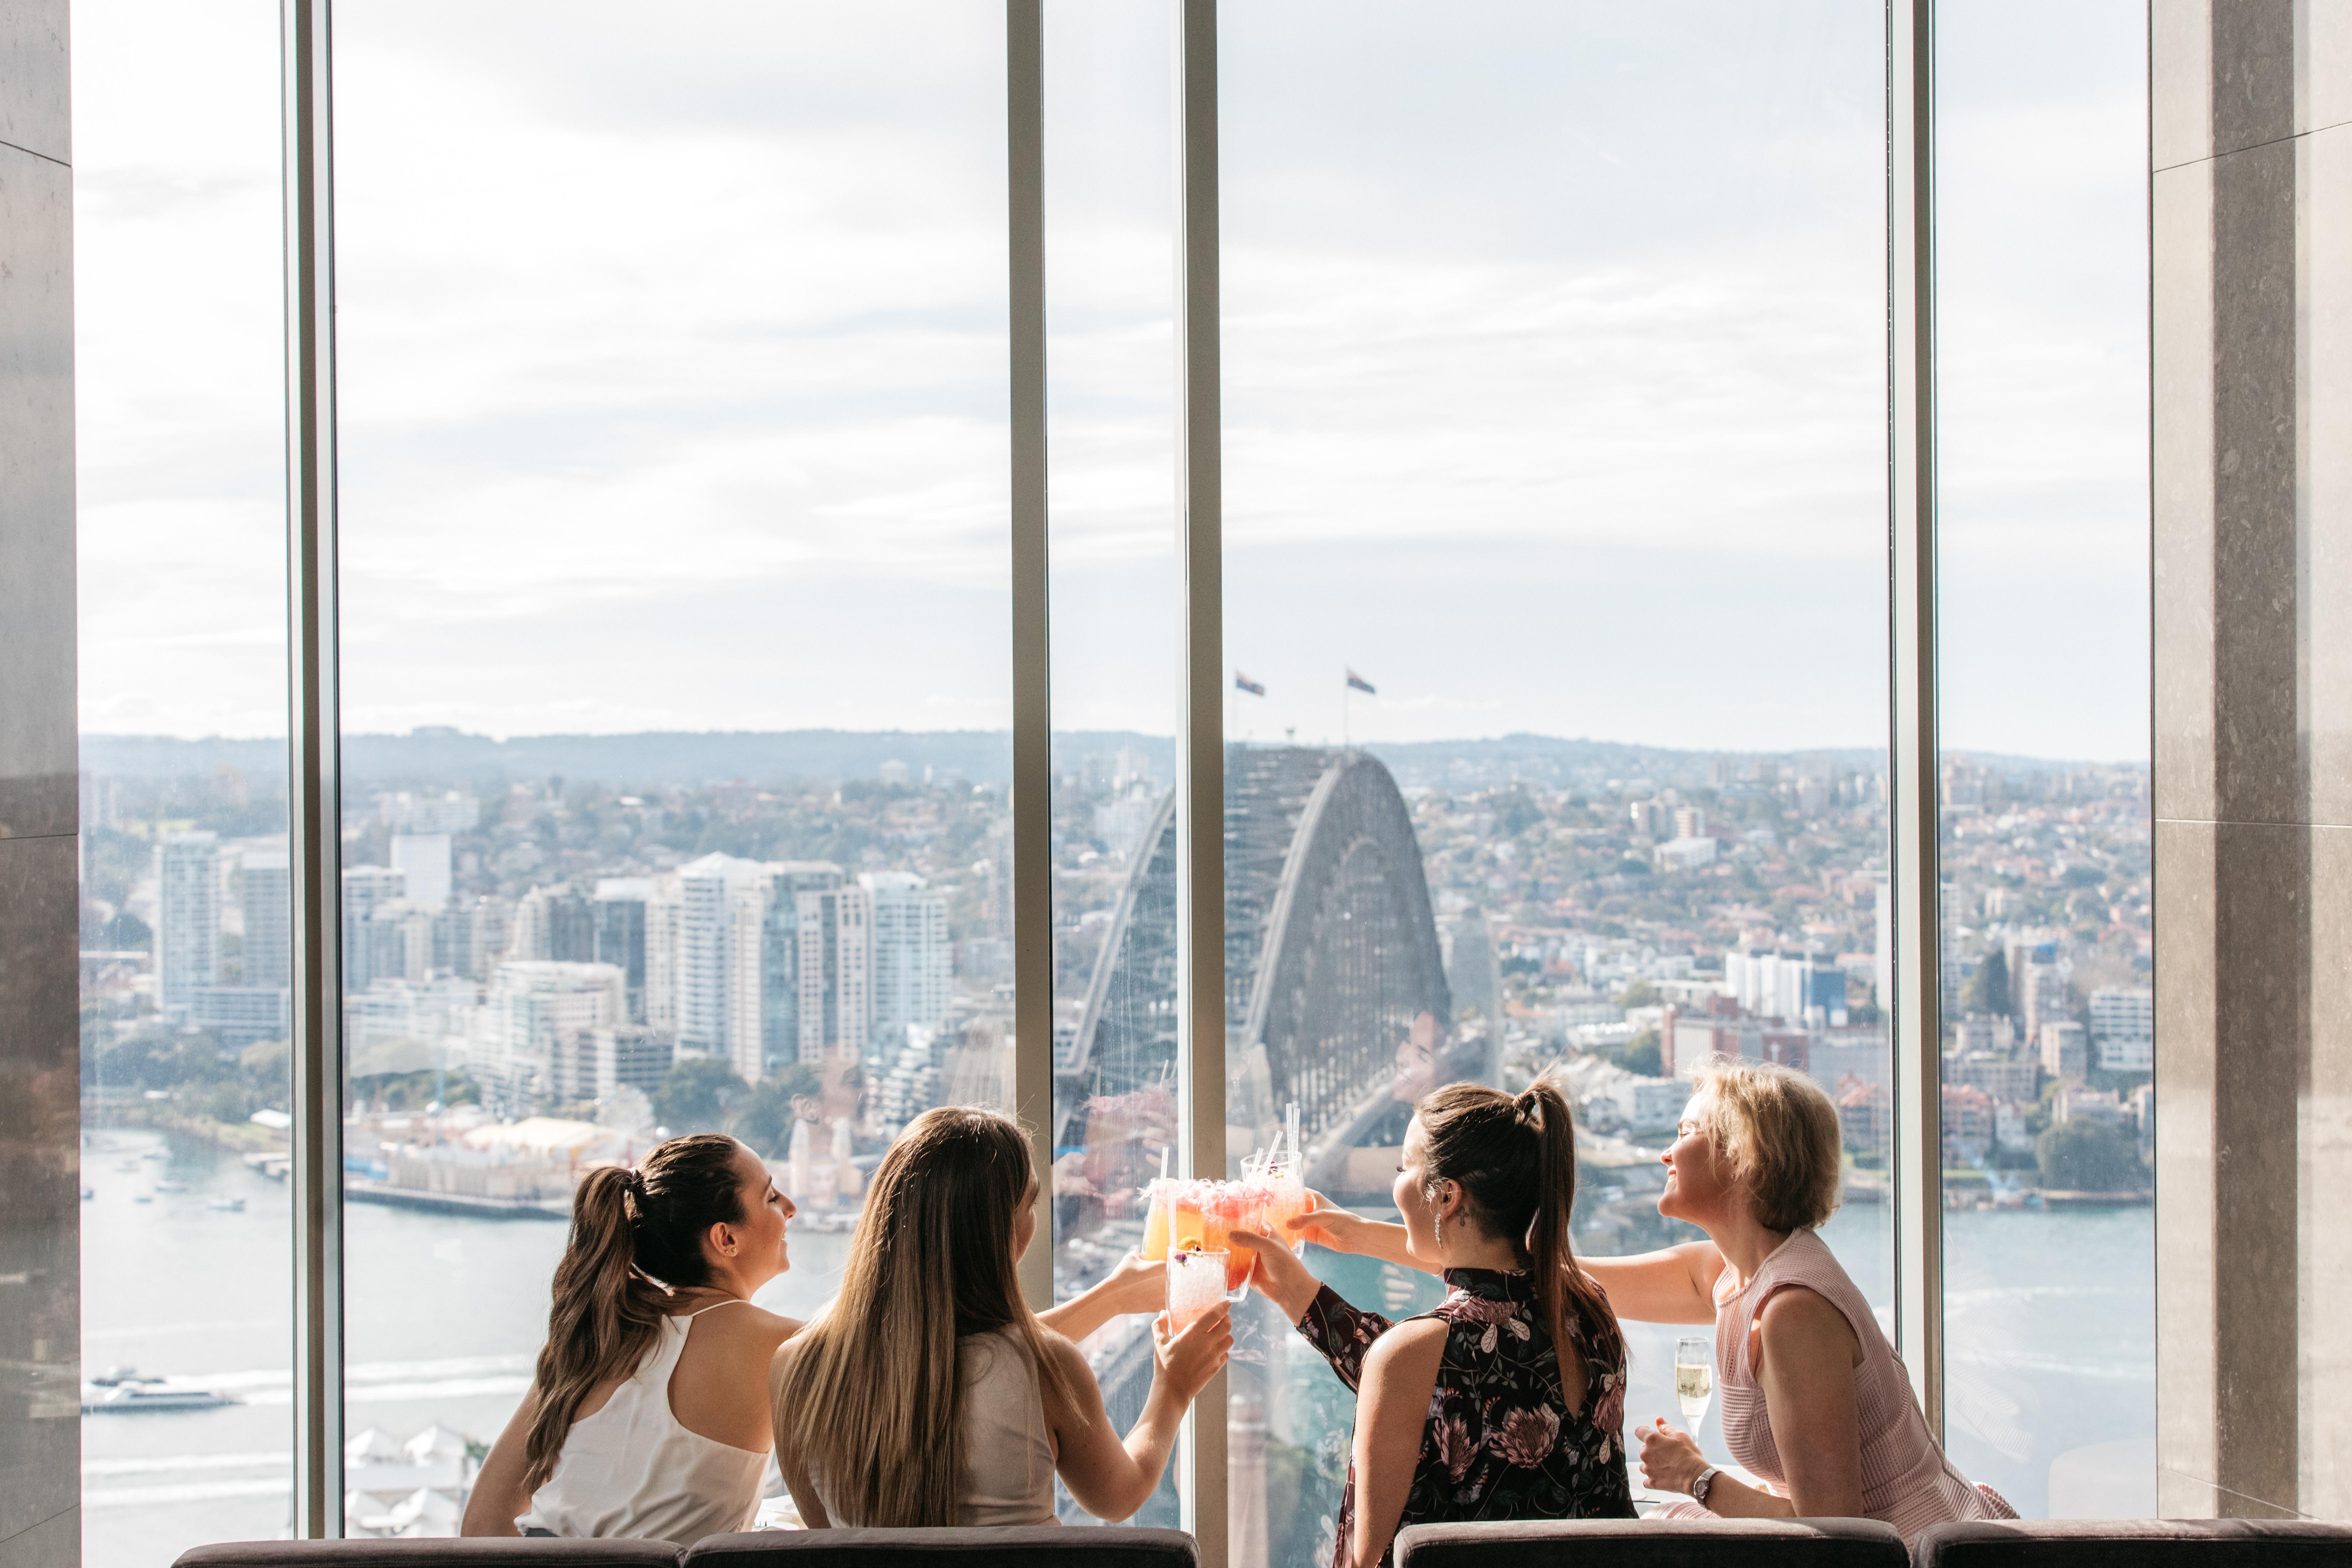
<point>1643,1057</point>
<point>1986,991</point>
<point>698,1094</point>
<point>1641,994</point>
<point>2081,1156</point>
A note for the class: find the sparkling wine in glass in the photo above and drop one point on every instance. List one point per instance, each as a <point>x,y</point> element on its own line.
<point>1694,1379</point>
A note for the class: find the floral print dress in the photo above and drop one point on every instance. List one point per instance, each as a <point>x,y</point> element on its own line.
<point>1500,1442</point>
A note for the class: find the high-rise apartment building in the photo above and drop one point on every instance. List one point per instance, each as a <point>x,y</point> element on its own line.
<point>364,888</point>
<point>722,907</point>
<point>914,964</point>
<point>780,963</point>
<point>187,917</point>
<point>266,894</point>
<point>836,1006</point>
<point>2123,1028</point>
<point>619,928</point>
<point>535,1020</point>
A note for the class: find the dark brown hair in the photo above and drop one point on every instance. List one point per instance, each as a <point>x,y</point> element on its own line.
<point>867,1399</point>
<point>1515,1158</point>
<point>632,1233</point>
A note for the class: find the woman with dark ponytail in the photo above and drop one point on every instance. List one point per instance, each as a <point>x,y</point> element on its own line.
<point>649,1413</point>
<point>1506,1400</point>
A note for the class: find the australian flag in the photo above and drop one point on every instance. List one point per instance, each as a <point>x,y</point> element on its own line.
<point>1358,683</point>
<point>1244,683</point>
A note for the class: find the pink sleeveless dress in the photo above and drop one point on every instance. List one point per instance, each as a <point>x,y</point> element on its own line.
<point>1906,1480</point>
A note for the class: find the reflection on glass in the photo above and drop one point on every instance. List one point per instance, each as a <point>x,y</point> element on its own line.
<point>2048,981</point>
<point>185,903</point>
<point>675,644</point>
<point>1555,559</point>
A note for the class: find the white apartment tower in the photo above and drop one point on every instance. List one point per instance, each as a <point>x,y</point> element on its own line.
<point>187,915</point>
<point>721,902</point>
<point>914,966</point>
<point>266,892</point>
<point>836,969</point>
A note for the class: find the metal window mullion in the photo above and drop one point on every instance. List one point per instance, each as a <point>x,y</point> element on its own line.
<point>1915,877</point>
<point>1200,729</point>
<point>1033,751</point>
<point>315,794</point>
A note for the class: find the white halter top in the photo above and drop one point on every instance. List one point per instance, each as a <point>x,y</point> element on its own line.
<point>630,1469</point>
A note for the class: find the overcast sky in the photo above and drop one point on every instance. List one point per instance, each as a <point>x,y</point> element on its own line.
<point>673,369</point>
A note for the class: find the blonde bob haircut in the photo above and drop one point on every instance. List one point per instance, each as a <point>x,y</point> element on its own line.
<point>1778,1132</point>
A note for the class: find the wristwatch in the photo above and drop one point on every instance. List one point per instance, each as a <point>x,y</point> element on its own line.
<point>1702,1485</point>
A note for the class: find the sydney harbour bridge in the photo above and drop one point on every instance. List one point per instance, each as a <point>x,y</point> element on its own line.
<point>1336,994</point>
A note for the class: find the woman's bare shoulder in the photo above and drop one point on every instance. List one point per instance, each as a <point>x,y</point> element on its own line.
<point>744,1326</point>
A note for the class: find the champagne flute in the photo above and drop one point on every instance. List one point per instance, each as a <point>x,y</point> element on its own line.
<point>1693,1378</point>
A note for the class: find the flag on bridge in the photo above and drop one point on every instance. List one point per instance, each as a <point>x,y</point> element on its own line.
<point>1244,683</point>
<point>1360,684</point>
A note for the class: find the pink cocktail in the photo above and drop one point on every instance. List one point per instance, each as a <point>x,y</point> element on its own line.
<point>1226,1207</point>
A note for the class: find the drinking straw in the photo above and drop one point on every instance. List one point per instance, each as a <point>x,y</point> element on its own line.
<point>1297,1161</point>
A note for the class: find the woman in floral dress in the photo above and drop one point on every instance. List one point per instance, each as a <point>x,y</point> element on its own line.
<point>1505,1401</point>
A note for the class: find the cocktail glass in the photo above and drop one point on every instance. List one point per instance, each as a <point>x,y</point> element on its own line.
<point>1186,1228</point>
<point>1155,1224</point>
<point>1226,1207</point>
<point>1196,1284</point>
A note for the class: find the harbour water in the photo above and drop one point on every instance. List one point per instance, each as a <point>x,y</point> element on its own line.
<point>2049,1317</point>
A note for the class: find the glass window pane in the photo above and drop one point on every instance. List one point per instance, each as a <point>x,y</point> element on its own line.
<point>1555,410</point>
<point>1110,244</point>
<point>677,637</point>
<point>186,1233</point>
<point>2048,1027</point>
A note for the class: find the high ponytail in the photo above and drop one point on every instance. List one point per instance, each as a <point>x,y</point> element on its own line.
<point>1515,1159</point>
<point>636,1236</point>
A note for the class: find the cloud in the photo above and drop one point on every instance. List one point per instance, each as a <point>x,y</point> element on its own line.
<point>673,390</point>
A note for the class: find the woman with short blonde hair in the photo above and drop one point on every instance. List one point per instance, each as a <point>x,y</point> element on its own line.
<point>1814,1403</point>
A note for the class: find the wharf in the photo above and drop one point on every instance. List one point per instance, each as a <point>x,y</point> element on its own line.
<point>367,1189</point>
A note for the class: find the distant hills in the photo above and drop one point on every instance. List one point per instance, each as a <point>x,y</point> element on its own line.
<point>443,756</point>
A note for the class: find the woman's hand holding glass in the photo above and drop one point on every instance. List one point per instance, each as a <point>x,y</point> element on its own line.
<point>1279,1276</point>
<point>1671,1459</point>
<point>1183,1363</point>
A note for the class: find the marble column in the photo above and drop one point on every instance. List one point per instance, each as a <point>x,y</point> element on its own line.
<point>40,1213</point>
<point>2250,201</point>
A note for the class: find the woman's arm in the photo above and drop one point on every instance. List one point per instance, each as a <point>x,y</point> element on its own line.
<point>1674,1286</point>
<point>1135,1286</point>
<point>499,1497</point>
<point>1392,1414</point>
<point>1805,1368</point>
<point>1671,1462</point>
<point>1341,1332</point>
<point>1806,1355</point>
<point>1112,1478</point>
<point>1328,1225</point>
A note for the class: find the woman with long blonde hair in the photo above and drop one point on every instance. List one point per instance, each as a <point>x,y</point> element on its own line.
<point>928,1394</point>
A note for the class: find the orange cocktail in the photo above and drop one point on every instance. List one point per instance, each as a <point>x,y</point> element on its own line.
<point>1155,1224</point>
<point>1187,1229</point>
<point>1226,1207</point>
<point>1285,1200</point>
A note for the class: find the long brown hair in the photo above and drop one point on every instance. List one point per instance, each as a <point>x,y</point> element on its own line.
<point>870,1401</point>
<point>1515,1158</point>
<point>633,1234</point>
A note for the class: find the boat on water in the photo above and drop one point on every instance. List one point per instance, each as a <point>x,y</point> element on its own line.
<point>227,1206</point>
<point>143,1197</point>
<point>87,1193</point>
<point>121,1389</point>
<point>170,1186</point>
